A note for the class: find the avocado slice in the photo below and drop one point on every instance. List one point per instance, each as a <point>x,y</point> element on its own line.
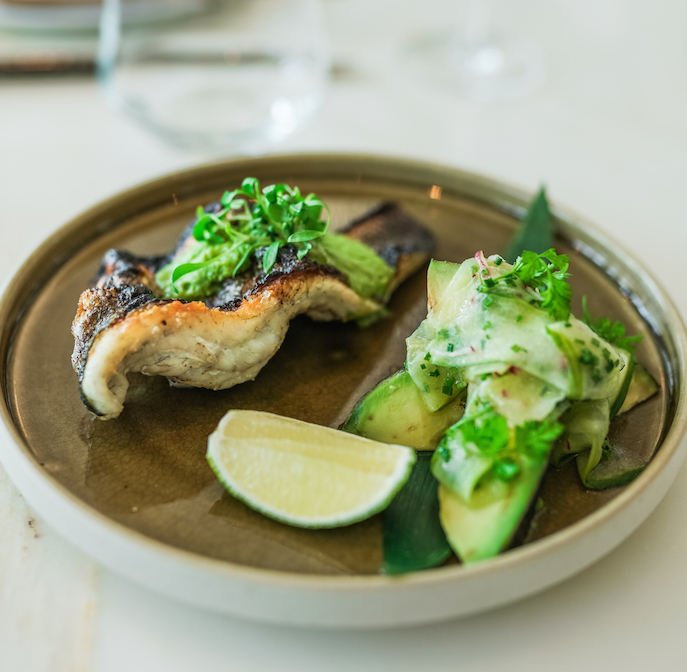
<point>484,527</point>
<point>394,412</point>
<point>642,386</point>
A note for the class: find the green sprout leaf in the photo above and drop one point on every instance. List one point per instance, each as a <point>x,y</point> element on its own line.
<point>270,256</point>
<point>303,236</point>
<point>252,219</point>
<point>184,269</point>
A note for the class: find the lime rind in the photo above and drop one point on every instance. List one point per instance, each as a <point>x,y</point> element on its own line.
<point>392,484</point>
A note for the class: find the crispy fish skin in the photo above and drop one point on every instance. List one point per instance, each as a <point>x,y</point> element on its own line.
<point>121,326</point>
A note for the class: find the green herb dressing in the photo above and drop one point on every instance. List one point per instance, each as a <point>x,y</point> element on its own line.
<point>367,273</point>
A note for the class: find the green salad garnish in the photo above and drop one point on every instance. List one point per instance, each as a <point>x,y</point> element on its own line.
<point>251,219</point>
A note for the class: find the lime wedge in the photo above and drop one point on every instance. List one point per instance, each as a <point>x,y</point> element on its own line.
<point>303,474</point>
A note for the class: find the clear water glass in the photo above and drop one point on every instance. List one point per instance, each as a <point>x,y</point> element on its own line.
<point>217,75</point>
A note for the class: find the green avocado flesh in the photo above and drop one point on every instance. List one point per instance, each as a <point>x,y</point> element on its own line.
<point>394,412</point>
<point>367,273</point>
<point>484,527</point>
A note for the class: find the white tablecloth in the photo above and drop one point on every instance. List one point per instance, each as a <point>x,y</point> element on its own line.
<point>607,133</point>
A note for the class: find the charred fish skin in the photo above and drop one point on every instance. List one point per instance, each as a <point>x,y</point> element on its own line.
<point>123,326</point>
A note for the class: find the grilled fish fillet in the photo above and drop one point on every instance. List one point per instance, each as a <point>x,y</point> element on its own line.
<point>122,326</point>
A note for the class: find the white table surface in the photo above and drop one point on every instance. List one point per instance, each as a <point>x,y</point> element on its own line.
<point>608,135</point>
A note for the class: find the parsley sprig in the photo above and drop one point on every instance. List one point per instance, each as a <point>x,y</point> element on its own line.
<point>545,272</point>
<point>611,332</point>
<point>251,218</point>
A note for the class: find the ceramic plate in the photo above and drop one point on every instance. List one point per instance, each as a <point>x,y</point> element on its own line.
<point>137,494</point>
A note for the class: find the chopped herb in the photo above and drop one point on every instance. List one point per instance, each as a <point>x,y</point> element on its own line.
<point>422,366</point>
<point>517,348</point>
<point>587,357</point>
<point>487,301</point>
<point>447,389</point>
<point>487,325</point>
<point>442,333</point>
<point>427,357</point>
<point>434,374</point>
<point>595,341</point>
<point>498,261</point>
<point>449,347</point>
<point>518,318</point>
<point>579,340</point>
<point>567,325</point>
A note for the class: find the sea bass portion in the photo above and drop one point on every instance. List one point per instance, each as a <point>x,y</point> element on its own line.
<point>123,325</point>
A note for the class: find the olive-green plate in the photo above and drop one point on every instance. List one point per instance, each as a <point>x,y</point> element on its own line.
<point>137,494</point>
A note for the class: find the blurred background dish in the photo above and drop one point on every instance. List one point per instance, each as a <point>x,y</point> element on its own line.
<point>83,15</point>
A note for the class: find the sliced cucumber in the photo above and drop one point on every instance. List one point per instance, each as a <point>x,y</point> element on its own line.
<point>620,467</point>
<point>627,381</point>
<point>586,426</point>
<point>394,412</point>
<point>437,385</point>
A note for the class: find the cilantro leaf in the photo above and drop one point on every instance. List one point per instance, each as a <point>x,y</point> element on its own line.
<point>489,434</point>
<point>546,272</point>
<point>611,332</point>
<point>535,438</point>
<point>487,431</point>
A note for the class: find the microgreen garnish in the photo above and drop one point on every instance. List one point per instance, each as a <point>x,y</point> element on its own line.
<point>611,332</point>
<point>546,272</point>
<point>250,219</point>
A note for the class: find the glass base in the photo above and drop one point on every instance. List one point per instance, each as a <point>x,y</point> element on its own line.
<point>482,70</point>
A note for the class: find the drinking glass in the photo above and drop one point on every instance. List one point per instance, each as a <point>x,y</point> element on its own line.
<point>475,60</point>
<point>217,75</point>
